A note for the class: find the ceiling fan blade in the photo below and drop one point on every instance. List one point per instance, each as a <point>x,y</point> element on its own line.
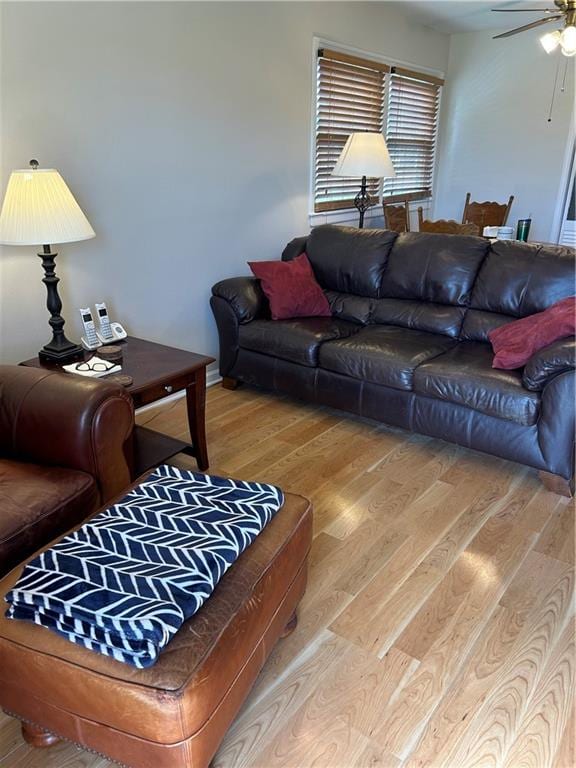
<point>527,26</point>
<point>524,10</point>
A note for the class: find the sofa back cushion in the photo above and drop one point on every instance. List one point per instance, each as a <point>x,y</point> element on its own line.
<point>516,280</point>
<point>419,315</point>
<point>347,306</point>
<point>349,260</point>
<point>433,267</point>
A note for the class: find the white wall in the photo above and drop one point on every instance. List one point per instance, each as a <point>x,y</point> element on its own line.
<point>495,136</point>
<point>183,129</point>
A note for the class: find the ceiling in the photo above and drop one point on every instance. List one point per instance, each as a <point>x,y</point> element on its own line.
<point>451,16</point>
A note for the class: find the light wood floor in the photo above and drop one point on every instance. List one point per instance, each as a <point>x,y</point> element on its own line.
<point>438,624</point>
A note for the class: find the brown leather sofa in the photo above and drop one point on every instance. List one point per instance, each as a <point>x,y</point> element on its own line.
<point>65,449</point>
<point>408,340</point>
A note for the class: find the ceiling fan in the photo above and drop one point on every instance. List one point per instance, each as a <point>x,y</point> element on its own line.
<point>564,12</point>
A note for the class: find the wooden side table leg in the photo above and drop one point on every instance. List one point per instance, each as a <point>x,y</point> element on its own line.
<point>196,403</point>
<point>38,737</point>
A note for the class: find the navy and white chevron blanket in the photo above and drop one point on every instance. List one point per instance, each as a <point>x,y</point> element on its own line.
<point>124,583</point>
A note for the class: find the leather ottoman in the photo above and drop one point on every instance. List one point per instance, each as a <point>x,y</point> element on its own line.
<point>175,713</point>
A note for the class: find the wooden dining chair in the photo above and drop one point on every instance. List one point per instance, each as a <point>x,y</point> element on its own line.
<point>397,217</point>
<point>486,214</point>
<point>446,226</point>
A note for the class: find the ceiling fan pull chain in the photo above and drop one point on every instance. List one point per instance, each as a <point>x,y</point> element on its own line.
<point>553,91</point>
<point>563,88</point>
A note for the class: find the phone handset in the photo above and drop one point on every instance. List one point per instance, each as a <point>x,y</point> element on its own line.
<point>105,333</point>
<point>108,331</point>
<point>90,340</point>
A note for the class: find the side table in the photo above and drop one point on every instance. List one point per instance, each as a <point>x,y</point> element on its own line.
<point>158,371</point>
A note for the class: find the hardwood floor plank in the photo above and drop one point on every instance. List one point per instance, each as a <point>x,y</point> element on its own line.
<point>565,757</point>
<point>557,538</point>
<point>537,575</point>
<point>482,506</point>
<point>376,615</point>
<point>486,470</point>
<point>425,628</point>
<point>10,737</point>
<point>540,730</point>
<point>62,755</point>
<point>449,720</point>
<point>496,555</point>
<point>333,569</point>
<point>543,505</point>
<point>361,570</point>
<point>315,613</point>
<point>492,727</point>
<point>484,667</point>
<point>275,699</point>
<point>338,713</point>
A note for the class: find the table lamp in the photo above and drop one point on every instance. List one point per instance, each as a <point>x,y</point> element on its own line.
<point>364,154</point>
<point>39,209</point>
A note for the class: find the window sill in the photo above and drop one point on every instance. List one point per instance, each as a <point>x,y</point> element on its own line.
<point>347,216</point>
<point>373,218</point>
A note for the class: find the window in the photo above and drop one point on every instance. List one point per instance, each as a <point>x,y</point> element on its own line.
<point>357,94</point>
<point>411,128</point>
<point>349,98</point>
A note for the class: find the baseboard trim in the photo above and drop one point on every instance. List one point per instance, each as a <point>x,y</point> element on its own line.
<point>212,378</point>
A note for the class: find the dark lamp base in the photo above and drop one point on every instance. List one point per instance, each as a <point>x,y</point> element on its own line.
<point>60,350</point>
<point>66,353</point>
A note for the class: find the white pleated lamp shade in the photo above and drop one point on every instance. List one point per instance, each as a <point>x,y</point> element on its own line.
<point>39,209</point>
<point>365,154</point>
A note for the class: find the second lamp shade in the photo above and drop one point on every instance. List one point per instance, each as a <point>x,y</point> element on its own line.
<point>365,154</point>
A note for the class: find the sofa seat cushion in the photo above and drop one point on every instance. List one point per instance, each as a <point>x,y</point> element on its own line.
<point>38,503</point>
<point>295,340</point>
<point>383,354</point>
<point>464,375</point>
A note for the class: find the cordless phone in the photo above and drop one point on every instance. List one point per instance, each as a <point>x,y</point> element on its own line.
<point>105,334</point>
<point>90,340</point>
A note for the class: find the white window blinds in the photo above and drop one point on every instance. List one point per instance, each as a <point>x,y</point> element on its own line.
<point>357,94</point>
<point>411,131</point>
<point>349,97</point>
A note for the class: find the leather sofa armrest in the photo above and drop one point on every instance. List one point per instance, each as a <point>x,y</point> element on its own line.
<point>244,295</point>
<point>295,247</point>
<point>549,362</point>
<point>557,424</point>
<point>63,420</point>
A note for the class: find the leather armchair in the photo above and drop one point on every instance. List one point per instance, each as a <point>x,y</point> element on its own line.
<point>65,449</point>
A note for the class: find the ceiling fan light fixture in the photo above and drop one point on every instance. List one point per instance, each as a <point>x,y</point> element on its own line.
<point>568,41</point>
<point>550,41</point>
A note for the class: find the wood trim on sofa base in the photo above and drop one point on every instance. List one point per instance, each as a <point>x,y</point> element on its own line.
<point>556,484</point>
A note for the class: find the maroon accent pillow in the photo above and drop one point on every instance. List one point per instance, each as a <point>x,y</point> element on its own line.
<point>516,342</point>
<point>291,288</point>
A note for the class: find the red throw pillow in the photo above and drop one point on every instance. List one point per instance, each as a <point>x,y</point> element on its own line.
<point>516,342</point>
<point>291,288</point>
